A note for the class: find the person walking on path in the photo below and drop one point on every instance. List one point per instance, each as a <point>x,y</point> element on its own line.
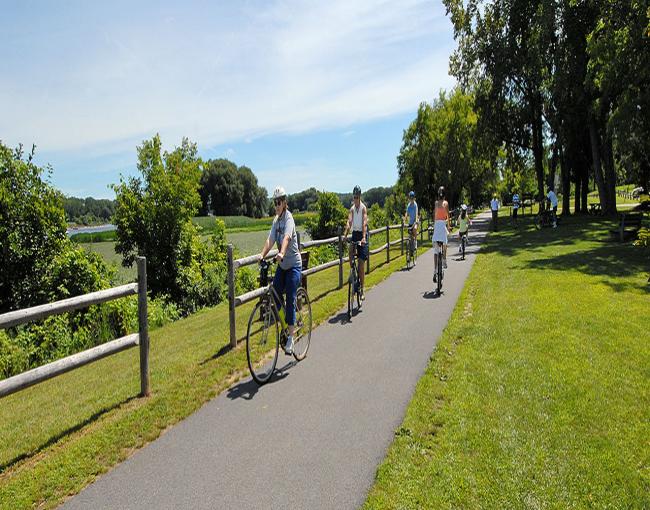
<point>552,197</point>
<point>358,222</point>
<point>494,207</point>
<point>289,271</point>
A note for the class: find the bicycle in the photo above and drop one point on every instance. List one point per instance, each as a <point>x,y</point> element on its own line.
<point>264,340</point>
<point>463,243</point>
<point>439,272</point>
<point>545,218</point>
<point>354,282</point>
<point>411,252</point>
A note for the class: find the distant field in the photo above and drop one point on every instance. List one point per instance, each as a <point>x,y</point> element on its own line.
<point>107,250</point>
<point>243,223</point>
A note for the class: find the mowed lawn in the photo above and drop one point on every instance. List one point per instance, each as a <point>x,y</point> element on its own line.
<point>538,393</point>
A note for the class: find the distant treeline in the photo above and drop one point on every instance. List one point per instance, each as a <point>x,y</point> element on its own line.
<point>306,200</point>
<point>88,211</point>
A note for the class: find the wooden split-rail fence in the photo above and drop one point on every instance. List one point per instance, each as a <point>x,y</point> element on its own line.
<point>31,377</point>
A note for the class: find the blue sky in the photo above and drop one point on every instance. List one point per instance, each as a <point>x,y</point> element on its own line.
<point>304,93</point>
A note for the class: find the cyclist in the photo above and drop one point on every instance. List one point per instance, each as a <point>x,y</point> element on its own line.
<point>552,197</point>
<point>464,223</point>
<point>289,270</point>
<point>441,228</point>
<point>358,222</point>
<point>412,218</point>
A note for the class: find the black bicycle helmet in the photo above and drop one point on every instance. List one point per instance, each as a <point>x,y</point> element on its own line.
<point>356,192</point>
<point>441,192</point>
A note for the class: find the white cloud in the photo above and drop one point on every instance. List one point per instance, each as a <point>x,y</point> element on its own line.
<point>288,66</point>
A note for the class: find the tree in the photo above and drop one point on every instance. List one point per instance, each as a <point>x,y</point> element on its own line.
<point>39,263</point>
<point>443,147</point>
<point>153,218</point>
<point>331,216</point>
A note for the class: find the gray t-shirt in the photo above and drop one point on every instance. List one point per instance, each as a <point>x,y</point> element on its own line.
<point>284,225</point>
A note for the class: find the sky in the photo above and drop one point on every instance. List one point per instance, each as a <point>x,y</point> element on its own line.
<point>304,93</point>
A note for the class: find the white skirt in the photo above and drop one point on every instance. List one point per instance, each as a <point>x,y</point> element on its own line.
<point>440,231</point>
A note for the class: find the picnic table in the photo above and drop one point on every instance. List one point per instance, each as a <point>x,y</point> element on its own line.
<point>595,209</point>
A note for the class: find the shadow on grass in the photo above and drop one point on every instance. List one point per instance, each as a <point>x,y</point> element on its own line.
<point>70,430</point>
<point>603,256</point>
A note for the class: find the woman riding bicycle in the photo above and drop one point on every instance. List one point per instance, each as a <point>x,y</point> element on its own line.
<point>441,226</point>
<point>288,273</point>
<point>412,217</point>
<point>463,225</point>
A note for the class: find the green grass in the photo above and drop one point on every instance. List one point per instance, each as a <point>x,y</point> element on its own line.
<point>107,250</point>
<point>538,393</point>
<point>244,223</point>
<point>58,436</point>
<point>94,237</point>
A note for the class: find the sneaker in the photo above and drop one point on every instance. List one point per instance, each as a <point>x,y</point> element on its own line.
<point>288,347</point>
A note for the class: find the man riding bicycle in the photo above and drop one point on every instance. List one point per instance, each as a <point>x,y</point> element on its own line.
<point>289,271</point>
<point>358,222</point>
<point>412,218</point>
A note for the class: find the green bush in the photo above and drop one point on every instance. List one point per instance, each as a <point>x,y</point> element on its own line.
<point>376,217</point>
<point>331,216</point>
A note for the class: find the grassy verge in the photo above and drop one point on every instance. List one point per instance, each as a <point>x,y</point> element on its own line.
<point>57,437</point>
<point>538,393</point>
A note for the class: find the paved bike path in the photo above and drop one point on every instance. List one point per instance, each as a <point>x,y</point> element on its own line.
<point>314,436</point>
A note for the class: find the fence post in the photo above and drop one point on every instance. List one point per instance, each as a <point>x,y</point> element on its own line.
<point>402,236</point>
<point>422,230</point>
<point>231,297</point>
<point>340,259</point>
<point>387,243</point>
<point>368,259</point>
<point>143,327</point>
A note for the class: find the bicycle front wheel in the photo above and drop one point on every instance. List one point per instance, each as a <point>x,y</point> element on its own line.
<point>302,332</point>
<point>439,287</point>
<point>262,341</point>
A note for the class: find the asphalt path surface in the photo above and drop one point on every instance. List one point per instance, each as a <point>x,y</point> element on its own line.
<point>314,436</point>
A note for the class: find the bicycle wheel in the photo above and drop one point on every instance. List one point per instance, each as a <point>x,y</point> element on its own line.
<point>352,293</point>
<point>439,283</point>
<point>262,341</point>
<point>408,255</point>
<point>538,221</point>
<point>302,331</point>
<point>462,241</point>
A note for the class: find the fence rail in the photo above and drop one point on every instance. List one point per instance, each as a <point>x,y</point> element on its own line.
<point>45,372</point>
<point>234,264</point>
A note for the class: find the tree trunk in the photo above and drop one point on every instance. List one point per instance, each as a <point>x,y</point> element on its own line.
<point>578,195</point>
<point>594,138</point>
<point>538,152</point>
<point>610,175</point>
<point>566,183</point>
<point>585,189</point>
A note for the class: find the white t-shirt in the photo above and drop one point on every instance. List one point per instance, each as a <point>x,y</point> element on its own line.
<point>357,217</point>
<point>553,198</point>
<point>494,204</point>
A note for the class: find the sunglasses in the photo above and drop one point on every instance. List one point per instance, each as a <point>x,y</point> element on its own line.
<point>278,201</point>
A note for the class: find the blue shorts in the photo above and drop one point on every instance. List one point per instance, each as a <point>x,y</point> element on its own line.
<point>362,251</point>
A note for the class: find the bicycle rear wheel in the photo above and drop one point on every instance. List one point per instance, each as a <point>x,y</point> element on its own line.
<point>262,342</point>
<point>439,283</point>
<point>462,240</point>
<point>408,255</point>
<point>352,294</point>
<point>302,332</point>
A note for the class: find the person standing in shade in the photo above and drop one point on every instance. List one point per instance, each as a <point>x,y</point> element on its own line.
<point>552,197</point>
<point>289,271</point>
<point>494,207</point>
<point>516,202</point>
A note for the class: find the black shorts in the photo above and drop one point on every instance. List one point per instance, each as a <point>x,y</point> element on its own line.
<point>362,250</point>
<point>514,212</point>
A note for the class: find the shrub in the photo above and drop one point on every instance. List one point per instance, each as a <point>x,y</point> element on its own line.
<point>331,216</point>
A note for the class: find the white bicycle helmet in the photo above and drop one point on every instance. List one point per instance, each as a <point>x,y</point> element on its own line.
<point>279,193</point>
